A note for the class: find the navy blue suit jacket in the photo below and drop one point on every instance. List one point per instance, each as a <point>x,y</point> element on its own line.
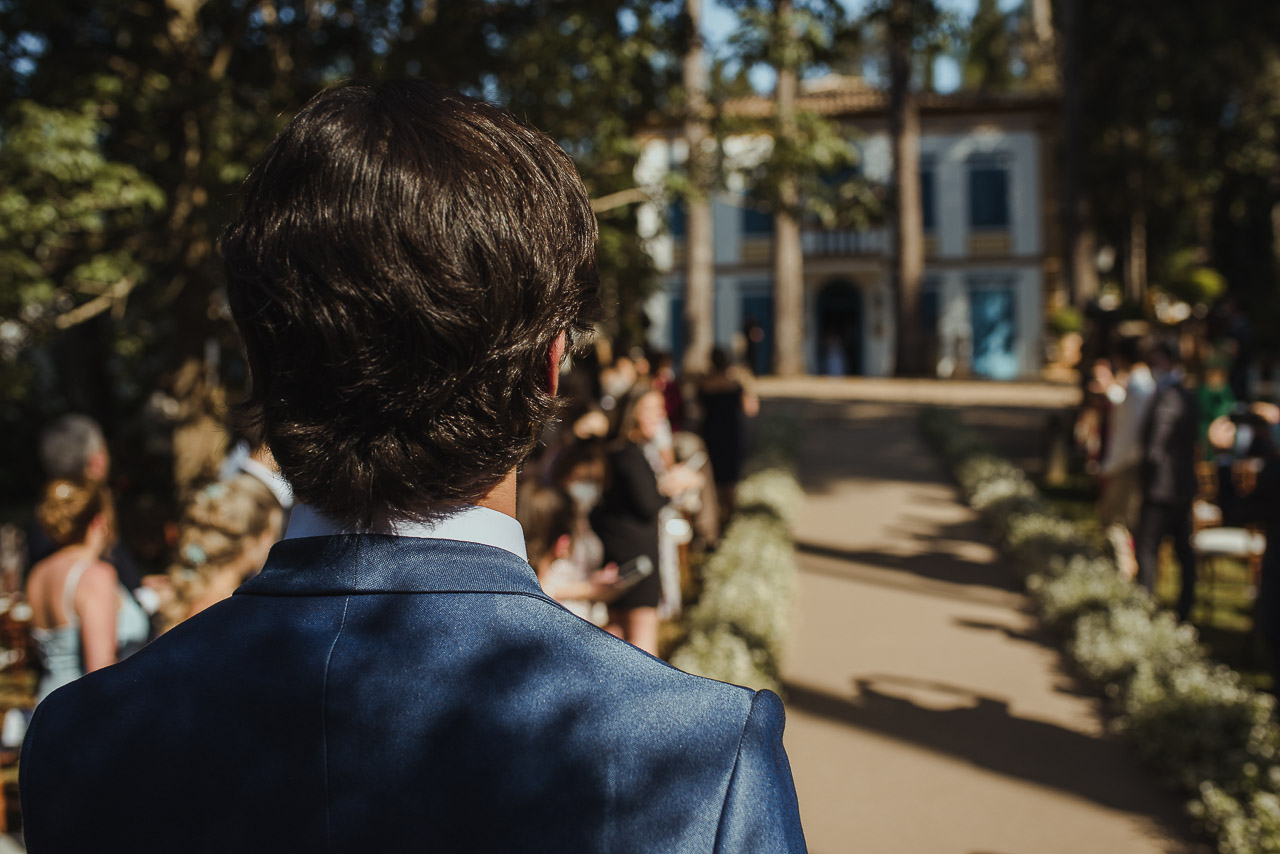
<point>371,693</point>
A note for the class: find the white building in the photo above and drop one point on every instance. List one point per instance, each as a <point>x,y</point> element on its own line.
<point>990,245</point>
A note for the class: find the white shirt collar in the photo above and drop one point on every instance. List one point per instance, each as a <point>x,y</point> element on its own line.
<point>271,480</point>
<point>469,524</point>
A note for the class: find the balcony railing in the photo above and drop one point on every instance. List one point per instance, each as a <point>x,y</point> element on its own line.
<point>844,243</point>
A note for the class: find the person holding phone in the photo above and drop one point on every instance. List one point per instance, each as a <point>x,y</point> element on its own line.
<point>550,522</point>
<point>627,518</point>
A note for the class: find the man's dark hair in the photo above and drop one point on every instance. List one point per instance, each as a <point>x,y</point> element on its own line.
<point>403,260</point>
<point>66,445</point>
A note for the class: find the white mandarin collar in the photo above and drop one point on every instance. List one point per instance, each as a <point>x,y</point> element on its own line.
<point>470,524</point>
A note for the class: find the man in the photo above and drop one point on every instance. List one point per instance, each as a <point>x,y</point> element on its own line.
<point>1121,501</point>
<point>1168,477</point>
<point>1255,484</point>
<point>72,447</point>
<point>407,271</point>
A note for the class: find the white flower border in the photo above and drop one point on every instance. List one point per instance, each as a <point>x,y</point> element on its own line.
<point>1193,719</point>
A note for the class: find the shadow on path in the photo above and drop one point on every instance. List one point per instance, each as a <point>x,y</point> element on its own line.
<point>934,565</point>
<point>982,730</point>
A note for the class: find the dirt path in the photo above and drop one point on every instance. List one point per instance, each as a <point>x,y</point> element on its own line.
<point>926,712</point>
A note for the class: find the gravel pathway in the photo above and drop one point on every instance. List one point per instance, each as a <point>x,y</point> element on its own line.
<point>926,711</point>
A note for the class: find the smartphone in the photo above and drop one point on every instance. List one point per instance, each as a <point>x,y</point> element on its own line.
<point>634,571</point>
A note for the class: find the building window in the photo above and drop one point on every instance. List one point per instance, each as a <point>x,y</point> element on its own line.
<point>756,220</point>
<point>675,218</point>
<point>927,198</point>
<point>988,195</point>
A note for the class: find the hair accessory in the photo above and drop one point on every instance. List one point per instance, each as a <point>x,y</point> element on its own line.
<point>63,491</point>
<point>193,554</point>
<point>215,490</point>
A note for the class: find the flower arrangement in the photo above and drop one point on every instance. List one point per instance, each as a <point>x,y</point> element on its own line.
<point>737,629</point>
<point>1194,720</point>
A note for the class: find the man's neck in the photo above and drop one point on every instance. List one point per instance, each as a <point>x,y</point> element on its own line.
<point>502,497</point>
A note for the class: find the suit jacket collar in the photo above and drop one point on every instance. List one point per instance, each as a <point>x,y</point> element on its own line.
<point>378,563</point>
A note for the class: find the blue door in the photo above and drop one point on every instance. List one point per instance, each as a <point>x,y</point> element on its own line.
<point>757,328</point>
<point>994,333</point>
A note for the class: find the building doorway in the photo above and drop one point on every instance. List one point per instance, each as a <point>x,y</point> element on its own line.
<point>839,329</point>
<point>992,310</point>
<point>757,332</point>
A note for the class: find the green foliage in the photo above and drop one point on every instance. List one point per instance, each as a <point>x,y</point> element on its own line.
<point>1181,105</point>
<point>989,50</point>
<point>1188,279</point>
<point>816,156</point>
<point>1194,720</point>
<point>66,213</point>
<point>133,125</point>
<point>820,158</point>
<point>1066,320</point>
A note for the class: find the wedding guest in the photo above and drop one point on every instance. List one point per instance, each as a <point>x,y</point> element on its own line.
<point>627,518</point>
<point>726,403</point>
<point>580,472</point>
<point>550,522</point>
<point>82,616</point>
<point>666,381</point>
<point>224,535</point>
<point>1130,391</point>
<point>254,459</point>
<point>73,448</point>
<point>1168,476</point>
<point>1256,485</point>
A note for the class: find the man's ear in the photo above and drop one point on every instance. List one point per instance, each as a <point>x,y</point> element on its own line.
<point>553,366</point>
<point>563,547</point>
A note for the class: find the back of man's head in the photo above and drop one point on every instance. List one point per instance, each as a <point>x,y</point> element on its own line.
<point>404,259</point>
<point>68,446</point>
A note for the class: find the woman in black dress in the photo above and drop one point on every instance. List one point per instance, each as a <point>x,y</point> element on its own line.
<point>726,405</point>
<point>626,520</point>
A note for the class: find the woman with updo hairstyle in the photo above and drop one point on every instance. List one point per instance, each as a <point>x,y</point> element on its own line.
<point>82,616</point>
<point>224,535</point>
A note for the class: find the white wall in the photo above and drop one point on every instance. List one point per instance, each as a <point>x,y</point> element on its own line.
<point>950,154</point>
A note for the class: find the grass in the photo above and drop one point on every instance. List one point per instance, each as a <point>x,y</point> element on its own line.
<point>1223,613</point>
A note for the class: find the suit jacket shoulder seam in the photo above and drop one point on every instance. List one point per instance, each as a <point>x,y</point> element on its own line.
<point>737,758</point>
<point>324,726</point>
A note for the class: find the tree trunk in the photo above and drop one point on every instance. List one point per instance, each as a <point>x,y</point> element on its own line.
<point>788,255</point>
<point>199,434</point>
<point>904,130</point>
<point>1078,261</point>
<point>699,280</point>
<point>1043,70</point>
<point>1136,272</point>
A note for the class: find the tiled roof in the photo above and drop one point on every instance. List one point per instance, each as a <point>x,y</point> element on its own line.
<point>861,100</point>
